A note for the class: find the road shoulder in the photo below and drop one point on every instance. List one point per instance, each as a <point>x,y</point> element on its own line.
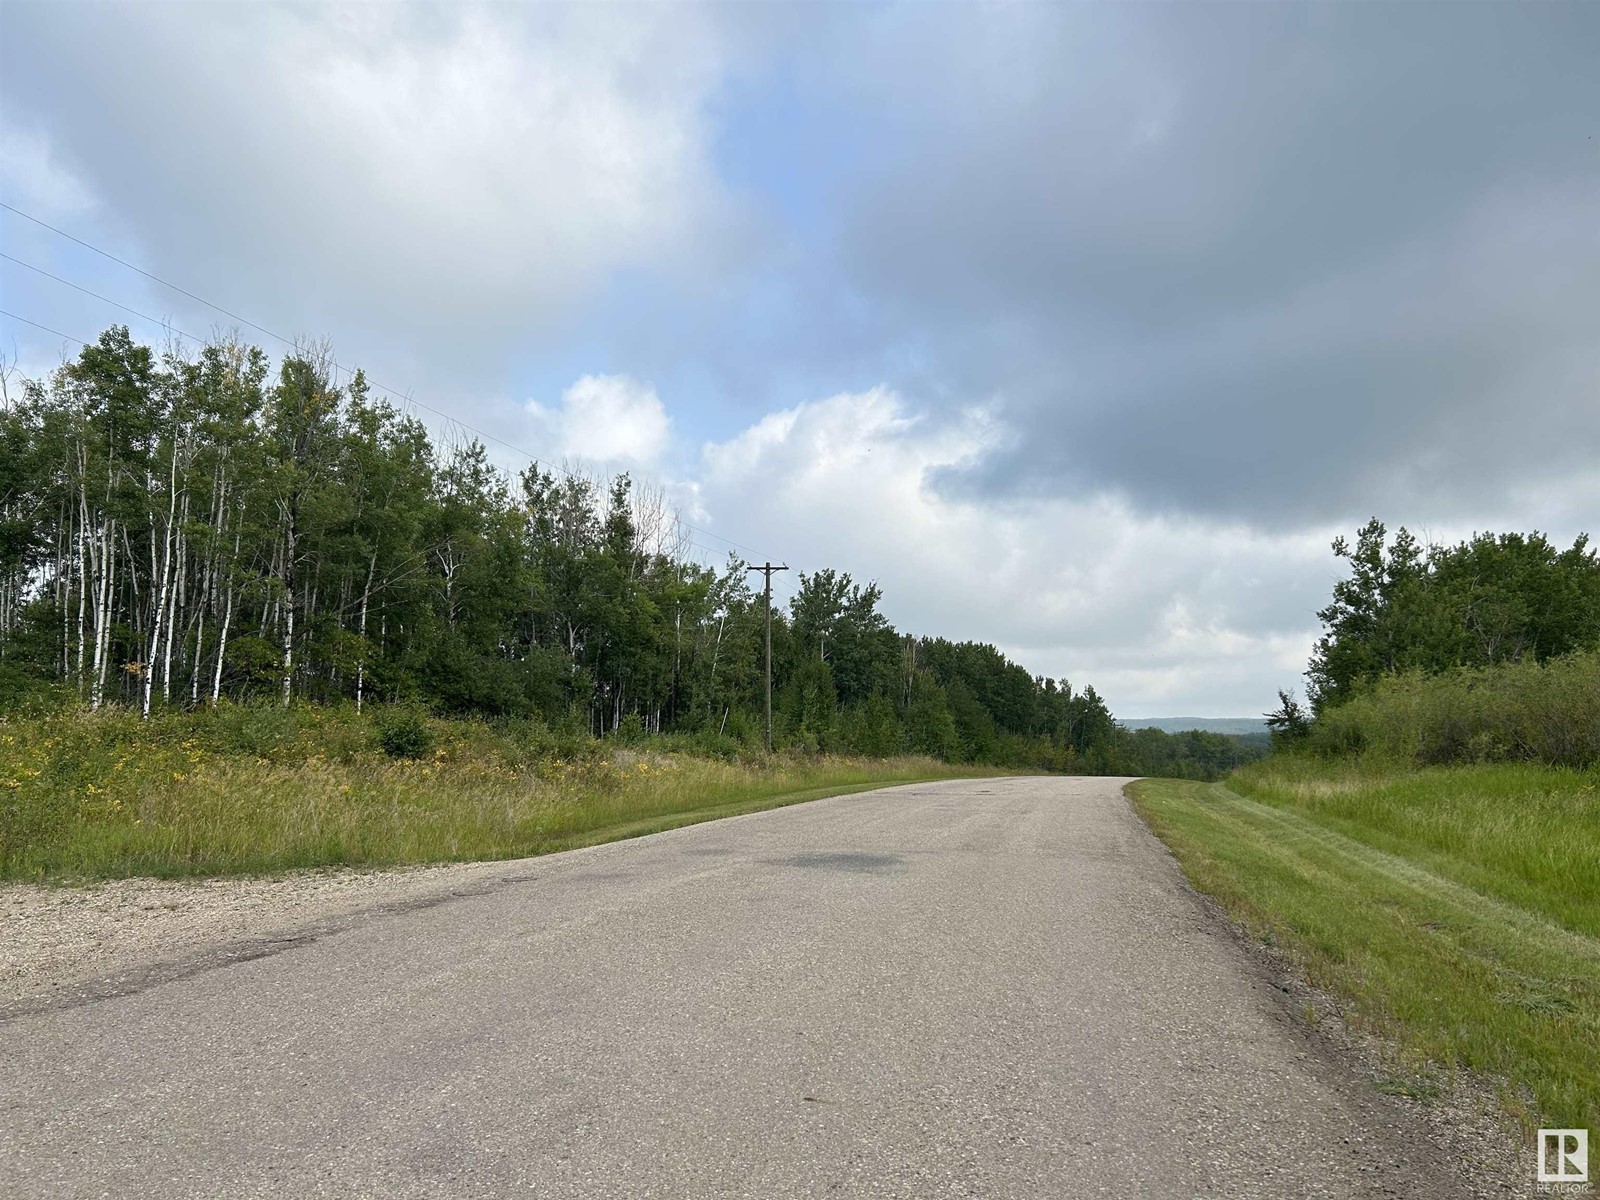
<point>1460,1114</point>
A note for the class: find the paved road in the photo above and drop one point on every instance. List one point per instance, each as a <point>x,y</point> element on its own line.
<point>985,988</point>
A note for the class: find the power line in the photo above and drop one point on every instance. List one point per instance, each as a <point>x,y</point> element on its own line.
<point>103,299</point>
<point>46,328</point>
<point>140,271</point>
<point>406,398</point>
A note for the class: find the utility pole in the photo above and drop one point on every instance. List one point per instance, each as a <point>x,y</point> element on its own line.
<point>767,571</point>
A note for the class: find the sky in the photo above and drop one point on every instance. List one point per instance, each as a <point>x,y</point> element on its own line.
<point>1081,329</point>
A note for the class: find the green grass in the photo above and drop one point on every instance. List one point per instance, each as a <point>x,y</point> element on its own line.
<point>86,797</point>
<point>1455,910</point>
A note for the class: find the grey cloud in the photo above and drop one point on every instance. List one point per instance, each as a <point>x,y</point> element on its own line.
<point>1282,263</point>
<point>432,182</point>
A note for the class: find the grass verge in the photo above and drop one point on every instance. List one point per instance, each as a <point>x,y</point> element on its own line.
<point>1456,911</point>
<point>86,797</point>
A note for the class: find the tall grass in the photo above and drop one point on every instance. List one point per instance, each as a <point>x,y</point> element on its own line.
<point>1529,712</point>
<point>1526,834</point>
<point>255,789</point>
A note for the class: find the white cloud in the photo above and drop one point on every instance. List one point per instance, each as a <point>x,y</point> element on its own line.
<point>35,179</point>
<point>1161,615</point>
<point>435,180</point>
<point>606,419</point>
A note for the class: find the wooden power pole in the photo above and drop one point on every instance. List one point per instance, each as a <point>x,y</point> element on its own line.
<point>767,571</point>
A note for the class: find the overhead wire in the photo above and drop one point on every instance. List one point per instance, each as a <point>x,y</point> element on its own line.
<point>46,328</point>
<point>161,321</point>
<point>405,398</point>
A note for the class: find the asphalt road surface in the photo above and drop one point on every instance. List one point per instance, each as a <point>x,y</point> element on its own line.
<point>976,988</point>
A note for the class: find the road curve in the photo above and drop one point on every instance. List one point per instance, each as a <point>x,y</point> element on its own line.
<point>976,988</point>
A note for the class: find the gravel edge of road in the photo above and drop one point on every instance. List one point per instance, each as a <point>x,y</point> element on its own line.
<point>68,945</point>
<point>1466,1121</point>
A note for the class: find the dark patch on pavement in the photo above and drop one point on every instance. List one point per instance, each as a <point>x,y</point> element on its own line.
<point>843,860</point>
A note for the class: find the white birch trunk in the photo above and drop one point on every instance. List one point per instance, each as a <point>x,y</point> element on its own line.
<point>102,635</point>
<point>159,614</point>
<point>175,606</point>
<point>361,662</point>
<point>227,615</point>
<point>288,614</point>
<point>83,581</point>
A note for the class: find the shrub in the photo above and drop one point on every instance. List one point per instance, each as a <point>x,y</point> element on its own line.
<point>265,729</point>
<point>402,733</point>
<point>1516,712</point>
<point>703,743</point>
<point>24,694</point>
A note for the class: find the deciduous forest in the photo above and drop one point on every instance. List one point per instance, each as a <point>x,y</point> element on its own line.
<point>179,530</point>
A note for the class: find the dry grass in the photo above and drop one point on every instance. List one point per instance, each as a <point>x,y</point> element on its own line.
<point>85,797</point>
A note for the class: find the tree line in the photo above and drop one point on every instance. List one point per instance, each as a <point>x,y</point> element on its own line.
<point>1488,648</point>
<point>179,530</point>
<point>1492,599</point>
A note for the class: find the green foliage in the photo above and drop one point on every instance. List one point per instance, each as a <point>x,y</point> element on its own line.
<point>1524,711</point>
<point>1005,691</point>
<point>263,730</point>
<point>810,705</point>
<point>1192,754</point>
<point>1488,651</point>
<point>871,729</point>
<point>1289,722</point>
<point>930,727</point>
<point>1504,598</point>
<point>402,733</point>
<point>25,692</point>
<point>837,622</point>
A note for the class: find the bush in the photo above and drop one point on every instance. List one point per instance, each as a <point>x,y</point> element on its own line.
<point>254,666</point>
<point>26,694</point>
<point>265,729</point>
<point>1516,712</point>
<point>703,743</point>
<point>402,733</point>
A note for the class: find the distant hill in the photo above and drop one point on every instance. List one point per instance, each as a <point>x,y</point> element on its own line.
<point>1234,725</point>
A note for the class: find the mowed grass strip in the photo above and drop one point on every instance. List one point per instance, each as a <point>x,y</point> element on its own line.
<point>87,799</point>
<point>1462,931</point>
<point>1521,832</point>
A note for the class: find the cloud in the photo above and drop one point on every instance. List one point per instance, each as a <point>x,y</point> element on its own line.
<point>1270,264</point>
<point>606,419</point>
<point>33,176</point>
<point>437,180</point>
<point>1162,615</point>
